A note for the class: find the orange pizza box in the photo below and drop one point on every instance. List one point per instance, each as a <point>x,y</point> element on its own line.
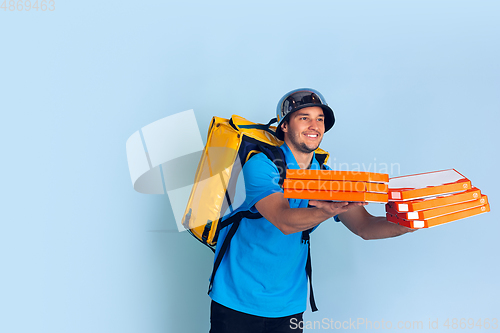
<point>436,201</point>
<point>335,195</point>
<point>427,223</point>
<point>337,175</point>
<point>427,184</point>
<point>377,187</point>
<point>438,211</point>
<point>334,185</point>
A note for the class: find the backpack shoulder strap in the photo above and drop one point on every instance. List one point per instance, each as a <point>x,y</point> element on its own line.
<point>276,155</point>
<point>234,221</point>
<point>306,239</point>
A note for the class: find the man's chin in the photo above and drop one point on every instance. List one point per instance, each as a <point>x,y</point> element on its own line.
<point>308,149</point>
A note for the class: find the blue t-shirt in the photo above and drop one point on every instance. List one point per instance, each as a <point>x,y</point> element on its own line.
<point>263,271</point>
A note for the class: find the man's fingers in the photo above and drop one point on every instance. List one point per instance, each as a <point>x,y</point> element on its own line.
<point>313,203</point>
<point>323,203</point>
<point>334,207</point>
<point>340,204</point>
<point>335,204</point>
<point>357,203</point>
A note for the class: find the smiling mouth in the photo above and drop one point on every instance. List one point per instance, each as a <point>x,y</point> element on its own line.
<point>312,136</point>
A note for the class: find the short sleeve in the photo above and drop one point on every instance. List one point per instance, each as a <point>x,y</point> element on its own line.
<point>261,178</point>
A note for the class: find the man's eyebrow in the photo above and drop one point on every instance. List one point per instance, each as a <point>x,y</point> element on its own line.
<point>307,114</point>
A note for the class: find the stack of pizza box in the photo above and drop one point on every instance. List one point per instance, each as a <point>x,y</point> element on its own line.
<point>433,198</point>
<point>333,185</point>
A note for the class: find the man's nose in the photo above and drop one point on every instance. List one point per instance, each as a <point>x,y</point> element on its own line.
<point>314,124</point>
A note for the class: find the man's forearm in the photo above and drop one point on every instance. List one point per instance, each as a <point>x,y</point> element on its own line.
<point>299,219</point>
<point>378,227</point>
<point>276,209</point>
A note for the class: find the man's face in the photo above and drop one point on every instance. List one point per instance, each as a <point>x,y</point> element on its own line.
<point>305,129</point>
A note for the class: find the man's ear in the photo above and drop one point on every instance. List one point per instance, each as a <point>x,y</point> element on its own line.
<point>284,126</point>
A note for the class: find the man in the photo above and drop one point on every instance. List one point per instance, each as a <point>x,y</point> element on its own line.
<point>261,283</point>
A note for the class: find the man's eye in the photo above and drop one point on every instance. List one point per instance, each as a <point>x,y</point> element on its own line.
<point>320,119</point>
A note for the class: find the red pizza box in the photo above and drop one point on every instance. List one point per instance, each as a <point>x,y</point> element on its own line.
<point>436,201</point>
<point>431,222</point>
<point>438,211</point>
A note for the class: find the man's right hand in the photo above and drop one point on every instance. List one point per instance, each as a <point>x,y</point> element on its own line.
<point>332,208</point>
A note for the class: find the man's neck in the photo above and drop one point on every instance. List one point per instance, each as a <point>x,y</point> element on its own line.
<point>303,159</point>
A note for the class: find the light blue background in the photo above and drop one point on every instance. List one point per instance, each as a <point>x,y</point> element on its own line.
<point>412,82</point>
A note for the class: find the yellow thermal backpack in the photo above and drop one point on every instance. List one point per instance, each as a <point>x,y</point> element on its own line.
<point>230,143</point>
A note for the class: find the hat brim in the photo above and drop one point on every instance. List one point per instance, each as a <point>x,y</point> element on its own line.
<point>329,119</point>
